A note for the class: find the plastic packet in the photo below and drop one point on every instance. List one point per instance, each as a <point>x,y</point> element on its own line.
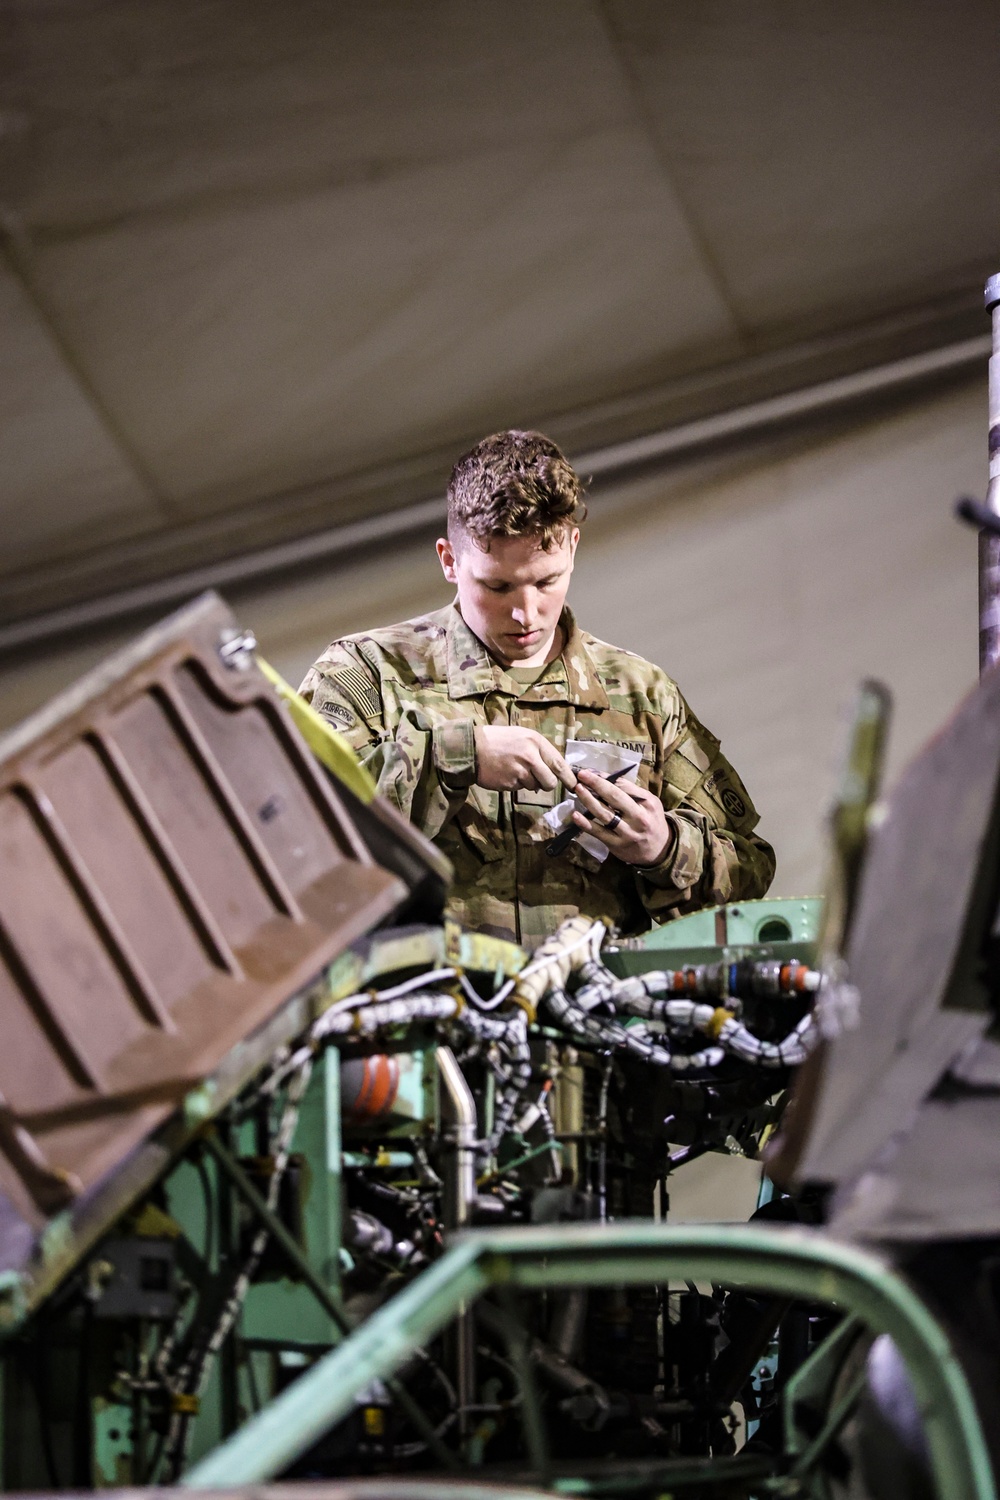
<point>588,755</point>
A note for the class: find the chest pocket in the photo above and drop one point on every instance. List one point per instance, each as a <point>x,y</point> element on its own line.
<point>578,855</point>
<point>478,820</point>
<point>538,801</point>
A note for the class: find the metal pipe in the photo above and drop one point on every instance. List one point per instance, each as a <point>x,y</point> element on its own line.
<point>589,1403</point>
<point>989,542</point>
<point>518,1342</point>
<point>459,1201</point>
<point>461,1195</point>
<point>569,1323</point>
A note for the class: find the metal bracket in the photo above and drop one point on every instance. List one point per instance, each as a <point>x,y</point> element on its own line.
<point>236,649</point>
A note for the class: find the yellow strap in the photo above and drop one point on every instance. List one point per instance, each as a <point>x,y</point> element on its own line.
<point>323,740</point>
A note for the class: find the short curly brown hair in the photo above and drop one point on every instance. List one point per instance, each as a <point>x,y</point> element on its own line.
<point>514,483</point>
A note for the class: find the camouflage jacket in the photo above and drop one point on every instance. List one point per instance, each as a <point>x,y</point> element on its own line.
<point>408,697</point>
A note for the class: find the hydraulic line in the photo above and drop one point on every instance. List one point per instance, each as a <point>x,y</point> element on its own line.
<point>649,995</point>
<point>609,1034</point>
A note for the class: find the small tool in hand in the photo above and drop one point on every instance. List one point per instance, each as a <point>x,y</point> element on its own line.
<point>562,840</point>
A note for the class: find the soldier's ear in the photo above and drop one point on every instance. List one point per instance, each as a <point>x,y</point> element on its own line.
<point>446,555</point>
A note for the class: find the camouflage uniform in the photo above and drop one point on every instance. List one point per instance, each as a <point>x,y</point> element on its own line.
<point>408,698</point>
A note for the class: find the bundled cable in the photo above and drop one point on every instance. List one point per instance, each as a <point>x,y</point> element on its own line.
<point>568,984</point>
<point>612,1036</point>
<point>568,979</point>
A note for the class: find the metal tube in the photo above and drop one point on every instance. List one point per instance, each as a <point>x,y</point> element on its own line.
<point>989,544</point>
<point>462,1135</point>
<point>459,1200</point>
<point>569,1323</point>
<point>785,1262</point>
<point>518,1344</point>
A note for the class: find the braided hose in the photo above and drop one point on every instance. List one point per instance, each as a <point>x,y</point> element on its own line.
<point>789,1053</point>
<point>518,1077</point>
<point>610,1035</point>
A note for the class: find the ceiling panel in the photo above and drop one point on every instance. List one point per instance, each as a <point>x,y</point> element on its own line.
<point>63,475</point>
<point>355,325</point>
<point>322,274</point>
<point>132,107</point>
<point>836,160</point>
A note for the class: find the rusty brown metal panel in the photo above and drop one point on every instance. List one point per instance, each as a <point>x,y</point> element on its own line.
<point>173,867</point>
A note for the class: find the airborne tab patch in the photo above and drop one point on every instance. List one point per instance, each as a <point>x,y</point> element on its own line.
<point>339,715</point>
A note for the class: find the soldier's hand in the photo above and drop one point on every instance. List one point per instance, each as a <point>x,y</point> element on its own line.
<point>509,757</point>
<point>625,817</point>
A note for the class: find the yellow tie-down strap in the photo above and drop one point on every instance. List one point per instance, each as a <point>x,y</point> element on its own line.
<point>323,740</point>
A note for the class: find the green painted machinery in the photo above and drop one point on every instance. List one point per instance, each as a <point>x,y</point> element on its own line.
<point>299,1182</point>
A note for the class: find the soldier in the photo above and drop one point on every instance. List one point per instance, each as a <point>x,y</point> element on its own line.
<point>462,717</point>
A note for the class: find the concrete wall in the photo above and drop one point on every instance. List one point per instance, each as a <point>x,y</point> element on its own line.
<point>771,583</point>
<point>768,580</point>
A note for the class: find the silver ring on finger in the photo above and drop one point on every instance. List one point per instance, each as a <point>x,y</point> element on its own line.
<point>610,827</point>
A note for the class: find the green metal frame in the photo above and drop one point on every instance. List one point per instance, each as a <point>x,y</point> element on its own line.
<point>723,934</point>
<point>782,1262</point>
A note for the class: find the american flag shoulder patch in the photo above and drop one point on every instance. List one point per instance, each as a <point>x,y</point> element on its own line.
<point>361,691</point>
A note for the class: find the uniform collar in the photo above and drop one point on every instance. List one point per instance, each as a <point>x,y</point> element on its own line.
<point>586,690</point>
<point>472,672</point>
<point>470,666</point>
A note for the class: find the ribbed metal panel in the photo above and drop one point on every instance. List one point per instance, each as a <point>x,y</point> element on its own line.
<point>173,866</point>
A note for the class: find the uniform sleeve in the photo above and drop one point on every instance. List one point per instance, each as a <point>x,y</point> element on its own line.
<point>424,770</point>
<point>716,857</point>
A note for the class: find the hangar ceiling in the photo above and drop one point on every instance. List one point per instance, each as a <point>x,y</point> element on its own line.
<point>266,268</point>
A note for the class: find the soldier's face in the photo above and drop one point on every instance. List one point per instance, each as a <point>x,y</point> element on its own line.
<point>511,597</point>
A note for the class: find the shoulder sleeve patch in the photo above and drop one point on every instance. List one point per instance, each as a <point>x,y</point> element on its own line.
<point>733,803</point>
<point>728,790</point>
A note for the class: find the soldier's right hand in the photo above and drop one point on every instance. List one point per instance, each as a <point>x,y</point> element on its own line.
<point>509,757</point>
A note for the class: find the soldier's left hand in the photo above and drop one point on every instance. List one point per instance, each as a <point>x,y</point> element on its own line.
<point>625,817</point>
